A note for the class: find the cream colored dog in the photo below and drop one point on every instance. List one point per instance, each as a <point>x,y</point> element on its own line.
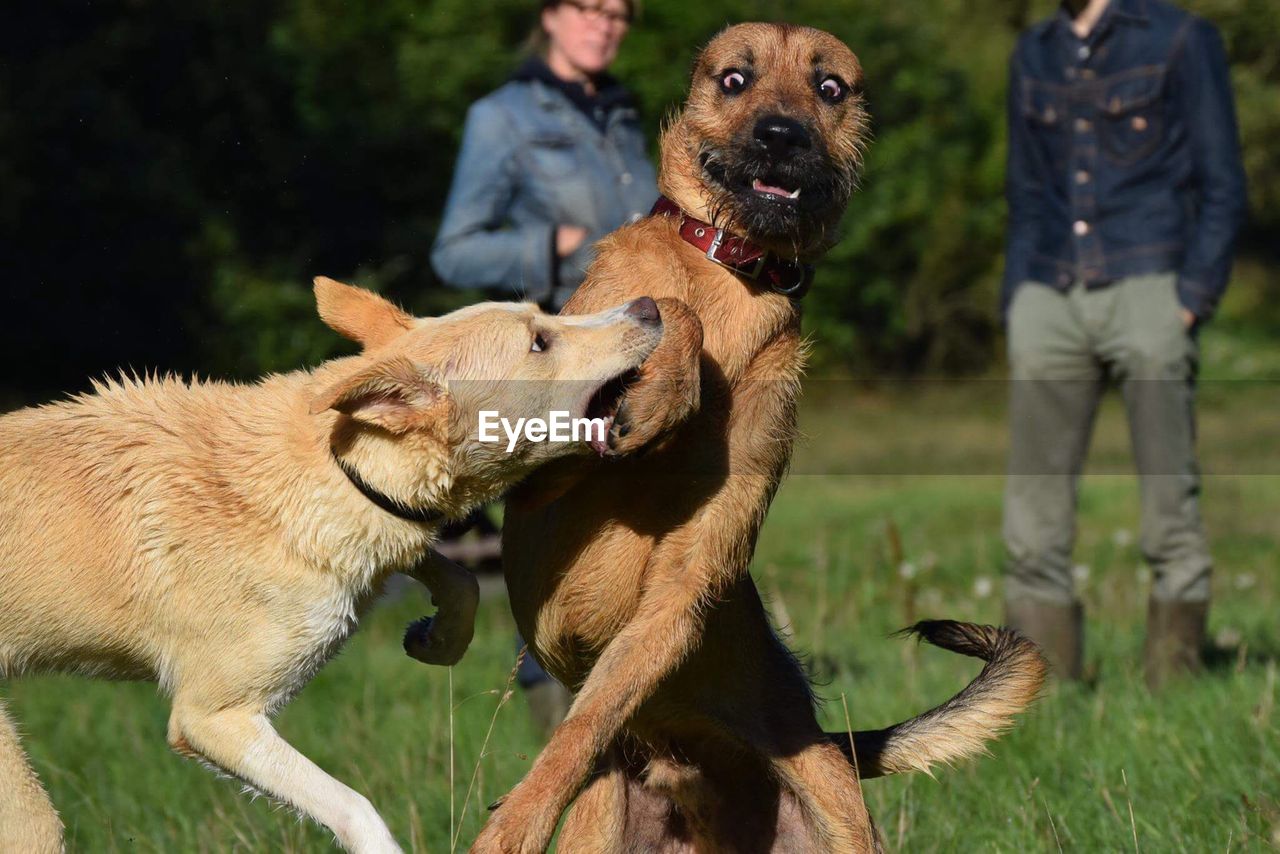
<point>223,539</point>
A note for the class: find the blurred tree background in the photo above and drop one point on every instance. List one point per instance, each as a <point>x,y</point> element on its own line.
<point>174,172</point>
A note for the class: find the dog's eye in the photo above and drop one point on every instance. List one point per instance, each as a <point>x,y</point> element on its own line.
<point>733,81</point>
<point>540,343</point>
<point>832,89</point>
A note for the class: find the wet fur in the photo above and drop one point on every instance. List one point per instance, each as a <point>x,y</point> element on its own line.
<point>201,535</point>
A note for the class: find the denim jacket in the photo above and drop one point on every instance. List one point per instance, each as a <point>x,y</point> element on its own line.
<point>1124,156</point>
<point>531,160</point>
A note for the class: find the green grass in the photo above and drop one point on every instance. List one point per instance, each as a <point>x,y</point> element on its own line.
<point>916,482</point>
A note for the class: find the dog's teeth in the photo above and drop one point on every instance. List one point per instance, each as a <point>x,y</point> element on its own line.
<point>761,187</point>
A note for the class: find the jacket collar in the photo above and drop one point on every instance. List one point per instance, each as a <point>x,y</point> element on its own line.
<point>609,97</point>
<point>1133,11</point>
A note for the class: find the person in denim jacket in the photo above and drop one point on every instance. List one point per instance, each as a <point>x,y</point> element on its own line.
<point>550,162</point>
<point>1125,191</point>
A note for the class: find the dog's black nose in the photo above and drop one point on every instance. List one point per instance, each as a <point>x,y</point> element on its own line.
<point>781,135</point>
<point>644,310</point>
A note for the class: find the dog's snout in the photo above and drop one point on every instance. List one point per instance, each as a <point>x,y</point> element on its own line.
<point>644,310</point>
<point>781,135</point>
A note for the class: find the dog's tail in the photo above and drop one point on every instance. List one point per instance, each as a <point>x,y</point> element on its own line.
<point>960,727</point>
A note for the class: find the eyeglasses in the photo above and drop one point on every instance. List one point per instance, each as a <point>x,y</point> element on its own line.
<point>595,14</point>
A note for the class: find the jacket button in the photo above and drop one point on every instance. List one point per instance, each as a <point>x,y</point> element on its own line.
<point>1081,228</point>
<point>625,178</point>
<point>1082,177</point>
<point>1083,125</point>
<point>1139,123</point>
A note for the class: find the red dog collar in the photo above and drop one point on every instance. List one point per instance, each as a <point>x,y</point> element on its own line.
<point>752,262</point>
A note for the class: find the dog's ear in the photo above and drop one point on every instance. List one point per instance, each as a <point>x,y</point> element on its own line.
<point>394,394</point>
<point>358,314</point>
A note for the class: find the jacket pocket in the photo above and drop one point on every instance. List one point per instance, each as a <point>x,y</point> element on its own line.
<point>1131,114</point>
<point>1044,112</point>
<point>553,156</point>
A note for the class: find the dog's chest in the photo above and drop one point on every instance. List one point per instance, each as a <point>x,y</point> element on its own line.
<point>738,326</point>
<point>322,626</point>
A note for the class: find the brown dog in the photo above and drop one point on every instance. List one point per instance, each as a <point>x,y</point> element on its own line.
<point>633,586</point>
<point>223,539</point>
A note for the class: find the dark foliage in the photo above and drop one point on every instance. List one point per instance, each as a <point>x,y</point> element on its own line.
<point>175,171</point>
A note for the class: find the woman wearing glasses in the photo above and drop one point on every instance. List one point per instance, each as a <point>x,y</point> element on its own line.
<point>550,162</point>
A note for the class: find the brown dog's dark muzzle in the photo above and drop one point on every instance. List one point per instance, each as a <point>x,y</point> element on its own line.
<point>781,136</point>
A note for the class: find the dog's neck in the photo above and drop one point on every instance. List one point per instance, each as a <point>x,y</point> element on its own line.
<point>677,181</point>
<point>423,515</point>
<point>412,471</point>
<point>292,458</point>
<point>739,255</point>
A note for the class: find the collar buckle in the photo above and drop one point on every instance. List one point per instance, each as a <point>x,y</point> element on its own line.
<point>715,245</point>
<point>751,272</point>
<point>764,270</point>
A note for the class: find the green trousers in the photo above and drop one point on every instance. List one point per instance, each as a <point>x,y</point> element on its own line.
<point>1064,349</point>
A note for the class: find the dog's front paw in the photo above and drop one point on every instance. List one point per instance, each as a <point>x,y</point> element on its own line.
<point>523,821</point>
<point>651,411</point>
<point>434,640</point>
<point>507,832</point>
<point>668,391</point>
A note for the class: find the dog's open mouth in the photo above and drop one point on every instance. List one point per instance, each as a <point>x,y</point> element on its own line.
<point>774,188</point>
<point>604,404</point>
<point>780,189</point>
<point>773,191</point>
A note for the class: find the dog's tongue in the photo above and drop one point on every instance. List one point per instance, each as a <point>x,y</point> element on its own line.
<point>601,444</point>
<point>761,187</point>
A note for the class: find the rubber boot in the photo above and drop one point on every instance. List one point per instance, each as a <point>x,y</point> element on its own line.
<point>1057,629</point>
<point>1175,638</point>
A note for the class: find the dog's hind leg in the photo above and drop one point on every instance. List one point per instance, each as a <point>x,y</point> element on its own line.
<point>799,782</point>
<point>620,813</point>
<point>28,822</point>
<point>829,798</point>
<point>597,820</point>
<point>242,742</point>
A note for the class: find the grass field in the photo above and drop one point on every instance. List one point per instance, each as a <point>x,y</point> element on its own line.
<point>892,513</point>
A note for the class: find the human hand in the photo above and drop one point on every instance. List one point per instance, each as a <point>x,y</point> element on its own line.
<point>1188,319</point>
<point>568,239</point>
